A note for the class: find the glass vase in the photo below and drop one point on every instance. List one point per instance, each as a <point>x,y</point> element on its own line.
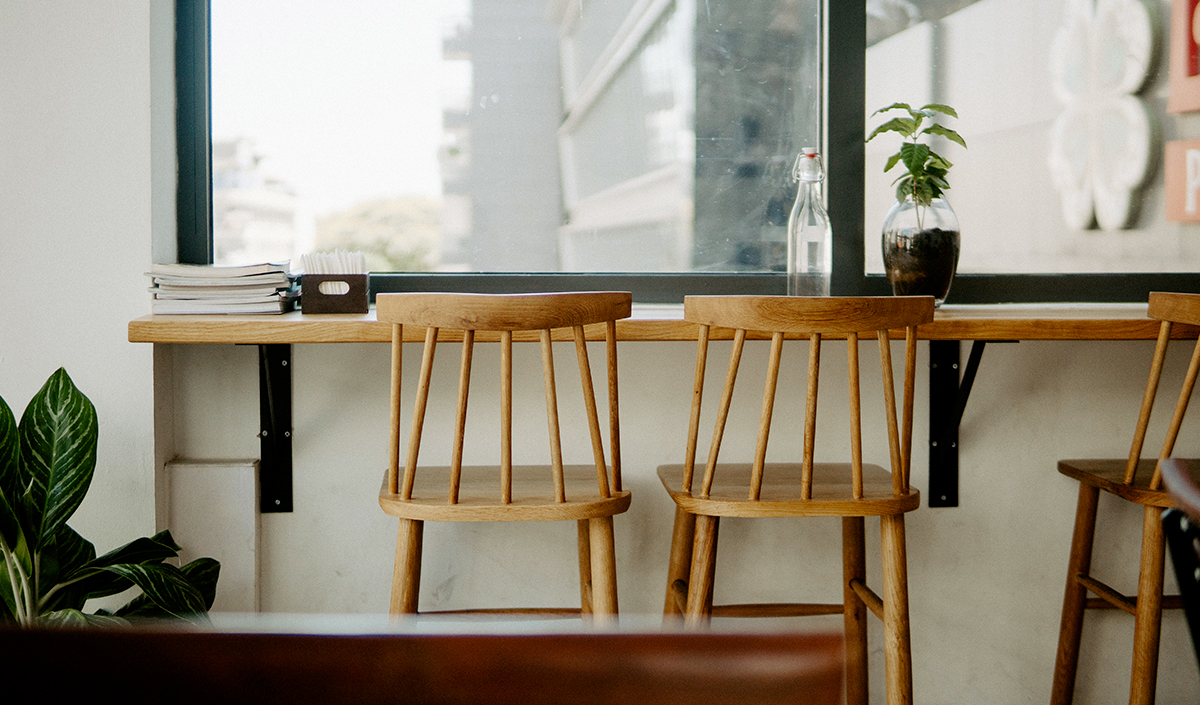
<point>920,248</point>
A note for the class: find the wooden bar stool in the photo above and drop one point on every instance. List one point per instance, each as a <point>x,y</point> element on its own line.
<point>1134,480</point>
<point>586,494</point>
<point>851,490</point>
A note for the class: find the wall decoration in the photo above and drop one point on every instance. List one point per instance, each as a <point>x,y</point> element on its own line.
<point>1185,57</point>
<point>1181,164</point>
<point>1100,143</point>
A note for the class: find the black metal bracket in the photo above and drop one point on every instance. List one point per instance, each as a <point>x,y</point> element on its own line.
<point>275,427</point>
<point>947,401</point>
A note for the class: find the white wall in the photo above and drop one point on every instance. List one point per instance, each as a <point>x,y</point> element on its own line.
<point>75,232</point>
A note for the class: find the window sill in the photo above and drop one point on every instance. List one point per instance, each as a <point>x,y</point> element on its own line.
<point>664,322</point>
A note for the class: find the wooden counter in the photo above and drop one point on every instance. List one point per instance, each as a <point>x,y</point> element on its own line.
<point>664,322</point>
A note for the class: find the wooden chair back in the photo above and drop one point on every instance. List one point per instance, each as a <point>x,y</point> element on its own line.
<point>504,314</point>
<point>814,318</point>
<point>1170,309</point>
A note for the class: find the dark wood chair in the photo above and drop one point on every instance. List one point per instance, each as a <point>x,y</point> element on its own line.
<point>852,490</point>
<point>1181,527</point>
<point>1137,480</point>
<point>204,667</point>
<point>587,494</point>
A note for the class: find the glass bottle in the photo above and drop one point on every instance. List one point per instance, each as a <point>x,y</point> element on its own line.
<point>810,236</point>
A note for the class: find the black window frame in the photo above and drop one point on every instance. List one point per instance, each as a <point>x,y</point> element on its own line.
<point>846,24</point>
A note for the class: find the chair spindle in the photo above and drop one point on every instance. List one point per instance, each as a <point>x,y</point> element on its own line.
<point>810,415</point>
<point>556,461</point>
<point>1139,435</point>
<point>394,406</point>
<point>589,400</point>
<point>1185,394</point>
<point>735,359</point>
<point>856,470</point>
<point>689,457</point>
<point>460,420</point>
<point>414,439</point>
<point>768,407</point>
<point>889,401</point>
<point>506,416</point>
<point>614,426</point>
<point>910,379</point>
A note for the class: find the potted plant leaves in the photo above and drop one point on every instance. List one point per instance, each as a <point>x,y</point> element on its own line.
<point>921,237</point>
<point>48,571</point>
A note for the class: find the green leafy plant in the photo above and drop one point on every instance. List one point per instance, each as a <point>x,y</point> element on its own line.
<point>926,176</point>
<point>49,571</point>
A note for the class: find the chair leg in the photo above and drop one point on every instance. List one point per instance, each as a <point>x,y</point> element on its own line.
<point>604,568</point>
<point>406,574</point>
<point>680,564</point>
<point>704,561</point>
<point>854,566</point>
<point>897,642</point>
<point>1074,597</point>
<point>1148,617</point>
<point>583,527</point>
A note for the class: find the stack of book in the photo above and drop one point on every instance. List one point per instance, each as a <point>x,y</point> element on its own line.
<point>195,288</point>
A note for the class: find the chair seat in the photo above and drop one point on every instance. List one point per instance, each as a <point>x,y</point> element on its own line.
<point>780,497</point>
<point>1109,475</point>
<point>479,495</point>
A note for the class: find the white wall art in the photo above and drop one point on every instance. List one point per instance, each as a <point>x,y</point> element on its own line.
<point>1100,143</point>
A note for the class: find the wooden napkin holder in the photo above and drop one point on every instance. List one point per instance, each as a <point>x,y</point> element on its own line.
<point>354,300</point>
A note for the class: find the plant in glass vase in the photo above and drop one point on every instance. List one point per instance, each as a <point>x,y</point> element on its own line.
<point>920,232</point>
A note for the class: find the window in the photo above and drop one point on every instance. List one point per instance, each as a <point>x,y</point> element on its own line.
<point>648,140</point>
<point>1031,100</point>
<point>650,152</point>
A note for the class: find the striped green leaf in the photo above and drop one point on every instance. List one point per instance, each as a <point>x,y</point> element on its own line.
<point>90,579</point>
<point>163,585</point>
<point>155,549</point>
<point>76,619</point>
<point>8,595</point>
<point>61,558</point>
<point>202,573</point>
<point>58,434</point>
<point>10,482</point>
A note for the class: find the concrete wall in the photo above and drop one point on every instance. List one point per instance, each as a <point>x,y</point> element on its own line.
<point>78,183</point>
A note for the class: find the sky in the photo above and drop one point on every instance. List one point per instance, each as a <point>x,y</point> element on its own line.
<point>342,98</point>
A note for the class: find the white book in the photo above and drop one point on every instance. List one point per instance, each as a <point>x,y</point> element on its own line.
<point>171,291</point>
<point>272,297</point>
<point>276,278</point>
<point>192,306</point>
<point>211,271</point>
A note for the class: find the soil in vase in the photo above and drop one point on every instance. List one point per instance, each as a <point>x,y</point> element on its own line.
<point>923,263</point>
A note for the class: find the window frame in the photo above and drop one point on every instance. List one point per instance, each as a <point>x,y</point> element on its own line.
<point>845,127</point>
